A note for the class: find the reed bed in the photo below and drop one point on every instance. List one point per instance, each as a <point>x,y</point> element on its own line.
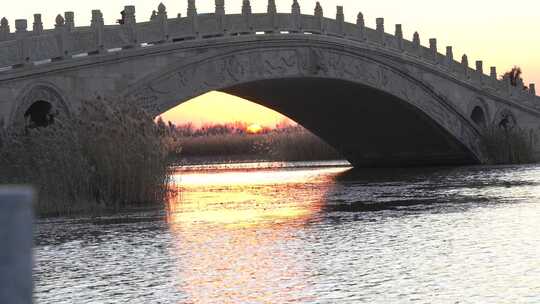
<point>509,145</point>
<point>108,157</point>
<point>292,143</point>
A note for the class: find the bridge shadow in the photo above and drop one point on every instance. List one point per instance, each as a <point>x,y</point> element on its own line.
<point>367,126</point>
<point>407,191</point>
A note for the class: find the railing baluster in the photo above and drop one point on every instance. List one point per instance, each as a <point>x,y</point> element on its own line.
<point>97,25</point>
<point>320,17</point>
<point>296,17</point>
<point>194,17</point>
<point>272,14</point>
<point>4,29</point>
<point>60,29</point>
<point>361,25</point>
<point>21,34</point>
<point>163,23</point>
<point>38,24</point>
<point>340,19</point>
<point>246,14</point>
<point>130,26</point>
<point>220,16</point>
<point>399,37</point>
<point>380,31</point>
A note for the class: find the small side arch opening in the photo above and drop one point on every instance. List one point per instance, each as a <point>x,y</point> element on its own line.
<point>39,115</point>
<point>507,121</point>
<point>478,116</point>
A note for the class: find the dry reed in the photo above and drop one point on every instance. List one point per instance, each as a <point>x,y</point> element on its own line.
<point>284,144</point>
<point>509,145</point>
<point>108,157</point>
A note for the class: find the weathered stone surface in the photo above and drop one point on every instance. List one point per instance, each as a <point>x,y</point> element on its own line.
<point>16,220</point>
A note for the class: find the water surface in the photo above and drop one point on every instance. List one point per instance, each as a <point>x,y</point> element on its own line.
<point>308,233</point>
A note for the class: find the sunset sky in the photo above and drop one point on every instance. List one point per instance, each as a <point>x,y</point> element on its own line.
<point>502,33</point>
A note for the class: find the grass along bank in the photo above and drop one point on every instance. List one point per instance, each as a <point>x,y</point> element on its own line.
<point>108,157</point>
<point>234,143</point>
<point>509,145</point>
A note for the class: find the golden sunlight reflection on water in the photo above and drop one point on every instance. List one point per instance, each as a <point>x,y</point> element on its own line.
<point>233,223</point>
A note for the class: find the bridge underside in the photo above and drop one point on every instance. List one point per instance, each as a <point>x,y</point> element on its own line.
<point>369,127</point>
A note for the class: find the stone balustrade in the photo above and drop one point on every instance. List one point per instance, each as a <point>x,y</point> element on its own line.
<point>24,48</point>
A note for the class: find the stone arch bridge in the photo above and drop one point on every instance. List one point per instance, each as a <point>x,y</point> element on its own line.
<point>378,98</point>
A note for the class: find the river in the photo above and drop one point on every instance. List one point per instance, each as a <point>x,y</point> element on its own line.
<point>307,233</point>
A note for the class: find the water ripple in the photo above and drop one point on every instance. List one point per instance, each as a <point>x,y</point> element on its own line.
<point>308,235</point>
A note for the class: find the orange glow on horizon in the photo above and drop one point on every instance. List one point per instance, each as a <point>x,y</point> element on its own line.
<point>221,108</point>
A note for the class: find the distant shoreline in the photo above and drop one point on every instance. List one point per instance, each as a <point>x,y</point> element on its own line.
<point>254,164</point>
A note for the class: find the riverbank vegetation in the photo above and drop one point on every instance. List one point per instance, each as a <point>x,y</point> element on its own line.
<point>108,157</point>
<point>234,142</point>
<point>504,145</point>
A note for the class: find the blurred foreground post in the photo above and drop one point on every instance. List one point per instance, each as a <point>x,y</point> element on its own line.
<point>16,220</point>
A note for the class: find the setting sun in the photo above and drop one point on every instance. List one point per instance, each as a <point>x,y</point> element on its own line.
<point>254,129</point>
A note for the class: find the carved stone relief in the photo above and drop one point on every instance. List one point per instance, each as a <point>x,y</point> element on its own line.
<point>39,92</point>
<point>224,71</point>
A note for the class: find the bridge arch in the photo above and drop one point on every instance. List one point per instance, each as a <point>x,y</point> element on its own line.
<point>479,116</point>
<point>321,87</point>
<point>506,119</point>
<point>39,105</point>
<point>39,114</point>
<point>479,112</point>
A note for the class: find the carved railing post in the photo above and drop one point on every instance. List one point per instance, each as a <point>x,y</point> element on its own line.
<point>480,71</point>
<point>520,86</point>
<point>340,19</point>
<point>465,65</point>
<point>192,8</point>
<point>4,29</point>
<point>193,16</point>
<point>220,15</point>
<point>38,24</point>
<point>320,17</point>
<point>493,76</point>
<point>163,23</point>
<point>380,31</point>
<point>21,32</point>
<point>507,85</point>
<point>416,43</point>
<point>130,26</point>
<point>360,22</point>
<point>399,37</point>
<point>220,7</point>
<point>433,49</point>
<point>97,25</point>
<point>449,57</point>
<point>246,13</point>
<point>493,73</point>
<point>480,67</point>
<point>296,17</point>
<point>70,20</point>
<point>60,29</point>
<point>272,15</point>
<point>21,27</point>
